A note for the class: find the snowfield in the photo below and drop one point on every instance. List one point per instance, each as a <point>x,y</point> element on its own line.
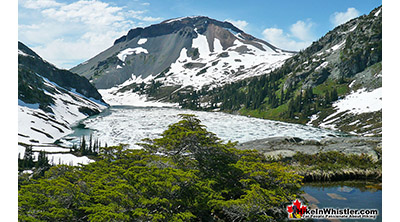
<point>360,101</point>
<point>356,103</point>
<point>113,97</point>
<point>131,99</point>
<point>220,69</point>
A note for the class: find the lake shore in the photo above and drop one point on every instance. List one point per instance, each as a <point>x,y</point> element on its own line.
<point>331,159</point>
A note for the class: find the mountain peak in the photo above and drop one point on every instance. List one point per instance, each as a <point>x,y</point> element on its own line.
<point>198,23</point>
<point>181,19</point>
<point>190,51</point>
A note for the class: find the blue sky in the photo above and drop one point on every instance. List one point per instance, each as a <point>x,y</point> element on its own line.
<point>67,32</point>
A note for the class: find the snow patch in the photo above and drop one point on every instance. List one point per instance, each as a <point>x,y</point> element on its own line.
<point>142,41</point>
<point>360,101</point>
<point>352,29</point>
<point>50,149</point>
<point>312,119</point>
<point>23,53</point>
<point>129,51</point>
<point>217,46</point>
<point>21,151</point>
<point>68,159</point>
<point>352,83</point>
<point>112,96</point>
<point>323,65</point>
<point>336,47</point>
<point>131,99</point>
<point>378,12</point>
<point>201,44</point>
<point>180,19</point>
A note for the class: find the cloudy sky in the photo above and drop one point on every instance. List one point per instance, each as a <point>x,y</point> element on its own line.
<point>68,32</point>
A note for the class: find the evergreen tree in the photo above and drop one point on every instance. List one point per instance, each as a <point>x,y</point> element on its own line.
<point>90,144</point>
<point>334,95</point>
<point>83,146</point>
<point>28,157</point>
<point>42,161</point>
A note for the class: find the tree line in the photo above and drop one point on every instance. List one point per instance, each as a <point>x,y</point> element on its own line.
<point>262,93</point>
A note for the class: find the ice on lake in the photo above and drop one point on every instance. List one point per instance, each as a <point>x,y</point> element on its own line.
<point>129,125</point>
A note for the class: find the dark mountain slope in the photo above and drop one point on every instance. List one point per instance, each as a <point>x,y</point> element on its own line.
<point>64,78</point>
<point>50,100</point>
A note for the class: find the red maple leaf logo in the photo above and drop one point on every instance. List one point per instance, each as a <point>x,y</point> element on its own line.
<point>290,209</point>
<point>296,210</point>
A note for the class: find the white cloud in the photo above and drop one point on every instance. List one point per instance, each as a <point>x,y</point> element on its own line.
<point>339,18</point>
<point>241,24</point>
<point>302,30</point>
<point>145,4</point>
<point>147,18</point>
<point>274,35</point>
<point>65,53</point>
<point>300,36</point>
<point>88,12</point>
<point>68,33</point>
<point>39,4</point>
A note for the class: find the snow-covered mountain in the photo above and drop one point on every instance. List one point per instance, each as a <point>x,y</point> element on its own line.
<point>351,57</point>
<point>335,83</point>
<point>189,52</point>
<point>50,100</point>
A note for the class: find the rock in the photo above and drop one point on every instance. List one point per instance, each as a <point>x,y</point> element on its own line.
<point>310,199</point>
<point>345,189</point>
<point>336,196</point>
<point>288,146</point>
<point>280,153</point>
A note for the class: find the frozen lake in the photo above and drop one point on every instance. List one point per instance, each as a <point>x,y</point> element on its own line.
<point>129,125</point>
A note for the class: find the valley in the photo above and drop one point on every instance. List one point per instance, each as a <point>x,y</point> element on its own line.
<point>201,64</point>
<point>193,118</point>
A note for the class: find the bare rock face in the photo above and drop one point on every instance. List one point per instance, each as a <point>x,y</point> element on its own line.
<point>288,146</point>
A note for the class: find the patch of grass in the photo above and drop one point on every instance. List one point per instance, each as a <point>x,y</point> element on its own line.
<point>334,165</point>
<point>270,113</point>
<point>329,85</point>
